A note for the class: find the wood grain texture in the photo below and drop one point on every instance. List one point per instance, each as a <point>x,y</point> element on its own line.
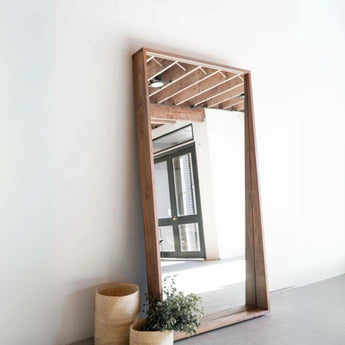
<point>249,236</point>
<point>225,318</point>
<point>201,87</point>
<point>228,85</point>
<point>213,102</point>
<point>144,138</point>
<point>253,209</point>
<point>182,85</point>
<point>170,112</point>
<point>231,103</point>
<point>238,107</point>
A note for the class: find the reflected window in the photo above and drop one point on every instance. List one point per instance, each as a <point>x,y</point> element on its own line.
<point>162,190</point>
<point>189,237</point>
<point>184,185</point>
<point>166,238</point>
<point>177,137</point>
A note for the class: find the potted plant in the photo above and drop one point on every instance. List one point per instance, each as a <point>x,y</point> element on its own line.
<point>176,312</point>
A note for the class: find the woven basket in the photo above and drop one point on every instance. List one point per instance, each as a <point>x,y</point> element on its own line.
<point>117,307</point>
<point>139,337</point>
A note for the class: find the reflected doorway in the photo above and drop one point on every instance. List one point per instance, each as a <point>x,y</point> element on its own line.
<point>178,204</point>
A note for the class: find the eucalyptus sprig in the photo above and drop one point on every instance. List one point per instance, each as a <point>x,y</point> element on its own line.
<point>176,312</point>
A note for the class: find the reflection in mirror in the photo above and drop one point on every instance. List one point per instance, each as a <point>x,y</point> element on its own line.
<point>200,194</point>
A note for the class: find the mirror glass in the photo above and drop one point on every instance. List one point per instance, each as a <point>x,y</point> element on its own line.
<point>200,193</point>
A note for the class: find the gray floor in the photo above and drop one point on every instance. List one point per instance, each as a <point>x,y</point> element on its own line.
<point>309,315</point>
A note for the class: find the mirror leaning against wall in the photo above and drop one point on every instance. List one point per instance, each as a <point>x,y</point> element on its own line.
<point>199,184</point>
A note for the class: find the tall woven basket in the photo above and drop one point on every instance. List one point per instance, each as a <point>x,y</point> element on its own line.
<point>117,307</point>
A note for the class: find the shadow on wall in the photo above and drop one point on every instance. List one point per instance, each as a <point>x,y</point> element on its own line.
<point>76,307</point>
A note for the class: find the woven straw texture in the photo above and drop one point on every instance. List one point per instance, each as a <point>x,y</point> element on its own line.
<point>138,337</point>
<point>117,307</point>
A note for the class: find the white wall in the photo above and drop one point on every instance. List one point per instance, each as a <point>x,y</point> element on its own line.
<point>70,204</point>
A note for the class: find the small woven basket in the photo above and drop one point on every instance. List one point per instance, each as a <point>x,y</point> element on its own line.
<point>139,337</point>
<point>117,308</point>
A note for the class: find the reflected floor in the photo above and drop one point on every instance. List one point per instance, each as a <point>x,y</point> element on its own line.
<point>220,283</point>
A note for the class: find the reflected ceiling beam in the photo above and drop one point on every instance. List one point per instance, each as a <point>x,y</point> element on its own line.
<point>160,112</point>
<point>215,101</point>
<point>173,75</point>
<point>201,87</point>
<point>232,102</point>
<point>156,67</point>
<point>238,107</point>
<point>216,91</point>
<point>162,122</point>
<point>193,83</point>
<point>184,84</point>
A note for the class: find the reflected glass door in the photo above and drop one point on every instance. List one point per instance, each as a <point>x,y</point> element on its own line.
<point>178,205</point>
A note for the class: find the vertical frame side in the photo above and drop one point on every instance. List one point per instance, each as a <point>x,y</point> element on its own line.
<point>146,166</point>
<point>249,231</point>
<point>261,286</point>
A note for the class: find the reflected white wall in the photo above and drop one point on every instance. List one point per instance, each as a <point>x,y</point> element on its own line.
<point>226,144</point>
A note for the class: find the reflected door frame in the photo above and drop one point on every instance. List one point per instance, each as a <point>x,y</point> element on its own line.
<point>175,220</point>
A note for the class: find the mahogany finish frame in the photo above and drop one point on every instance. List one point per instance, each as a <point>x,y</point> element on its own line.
<point>257,298</point>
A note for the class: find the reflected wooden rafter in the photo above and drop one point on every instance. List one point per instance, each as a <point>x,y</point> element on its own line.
<point>172,113</point>
<point>182,86</point>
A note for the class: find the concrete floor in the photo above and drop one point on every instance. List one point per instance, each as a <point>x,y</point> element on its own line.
<point>309,315</point>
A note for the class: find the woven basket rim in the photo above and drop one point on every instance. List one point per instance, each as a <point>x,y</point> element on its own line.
<point>124,289</point>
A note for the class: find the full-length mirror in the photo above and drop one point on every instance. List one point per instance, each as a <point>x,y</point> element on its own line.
<point>199,183</point>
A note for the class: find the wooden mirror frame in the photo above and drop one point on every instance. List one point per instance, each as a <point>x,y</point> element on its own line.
<point>256,294</point>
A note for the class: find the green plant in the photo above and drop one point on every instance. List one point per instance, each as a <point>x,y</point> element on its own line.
<point>176,312</point>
